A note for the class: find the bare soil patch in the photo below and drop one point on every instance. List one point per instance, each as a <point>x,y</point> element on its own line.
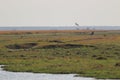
<point>21,46</point>
<point>65,46</point>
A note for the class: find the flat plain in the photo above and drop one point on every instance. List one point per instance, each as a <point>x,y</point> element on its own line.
<point>90,53</point>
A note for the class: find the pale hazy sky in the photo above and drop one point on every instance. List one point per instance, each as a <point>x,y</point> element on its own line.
<point>59,12</point>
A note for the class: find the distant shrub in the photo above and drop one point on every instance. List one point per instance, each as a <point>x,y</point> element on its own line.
<point>57,41</point>
<point>94,55</point>
<point>28,33</point>
<point>101,58</point>
<point>117,64</point>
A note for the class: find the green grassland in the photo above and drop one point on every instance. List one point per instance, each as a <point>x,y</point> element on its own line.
<point>58,52</point>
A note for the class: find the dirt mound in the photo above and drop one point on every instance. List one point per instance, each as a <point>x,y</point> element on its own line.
<point>65,46</point>
<point>21,46</point>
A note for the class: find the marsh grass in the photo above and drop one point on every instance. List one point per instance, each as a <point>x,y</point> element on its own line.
<point>65,53</point>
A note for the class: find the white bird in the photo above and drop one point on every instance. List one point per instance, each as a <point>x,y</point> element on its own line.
<point>76,24</point>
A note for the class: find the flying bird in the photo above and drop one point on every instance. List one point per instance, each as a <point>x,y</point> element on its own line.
<point>76,24</point>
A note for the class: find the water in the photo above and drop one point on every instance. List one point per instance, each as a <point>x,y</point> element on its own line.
<point>61,28</point>
<point>5,75</point>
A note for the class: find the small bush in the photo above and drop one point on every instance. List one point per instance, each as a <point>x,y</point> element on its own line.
<point>57,41</point>
<point>101,58</point>
<point>117,64</point>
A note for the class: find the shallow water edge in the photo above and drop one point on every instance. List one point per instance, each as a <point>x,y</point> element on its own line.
<point>6,75</point>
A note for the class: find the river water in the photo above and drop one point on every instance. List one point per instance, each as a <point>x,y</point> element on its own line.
<point>6,75</point>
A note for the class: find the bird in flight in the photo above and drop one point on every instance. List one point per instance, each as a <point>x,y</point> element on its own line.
<point>77,26</point>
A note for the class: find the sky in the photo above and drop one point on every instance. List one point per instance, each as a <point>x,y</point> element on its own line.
<point>59,12</point>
